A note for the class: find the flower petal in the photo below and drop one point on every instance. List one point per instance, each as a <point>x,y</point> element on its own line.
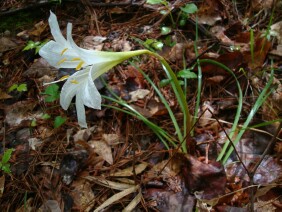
<point>80,111</point>
<point>95,57</point>
<point>70,89</point>
<point>90,95</point>
<point>55,30</point>
<point>52,52</point>
<point>60,54</point>
<point>82,86</point>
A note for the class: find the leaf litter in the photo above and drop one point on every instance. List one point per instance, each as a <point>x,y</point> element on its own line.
<point>118,163</point>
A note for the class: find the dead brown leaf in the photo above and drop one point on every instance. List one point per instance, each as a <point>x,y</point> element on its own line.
<point>231,59</point>
<point>82,194</point>
<point>19,113</point>
<point>102,149</point>
<point>39,28</point>
<point>6,44</point>
<point>210,11</point>
<point>208,178</point>
<point>261,49</point>
<point>4,95</point>
<point>138,94</point>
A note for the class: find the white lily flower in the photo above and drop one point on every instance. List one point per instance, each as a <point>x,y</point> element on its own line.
<point>90,64</point>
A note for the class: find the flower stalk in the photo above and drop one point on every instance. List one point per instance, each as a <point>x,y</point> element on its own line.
<point>90,64</point>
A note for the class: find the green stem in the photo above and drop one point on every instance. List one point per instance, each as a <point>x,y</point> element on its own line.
<point>239,108</point>
<point>164,101</point>
<point>179,96</point>
<point>262,97</point>
<point>197,106</point>
<point>156,129</point>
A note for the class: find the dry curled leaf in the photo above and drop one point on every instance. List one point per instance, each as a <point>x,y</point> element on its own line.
<point>102,149</point>
<point>138,94</point>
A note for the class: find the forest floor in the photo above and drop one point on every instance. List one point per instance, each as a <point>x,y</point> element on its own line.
<point>162,141</point>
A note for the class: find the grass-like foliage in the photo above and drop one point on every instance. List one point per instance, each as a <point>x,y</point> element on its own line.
<point>165,137</point>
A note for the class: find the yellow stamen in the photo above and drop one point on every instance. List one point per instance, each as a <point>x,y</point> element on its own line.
<point>61,61</point>
<point>64,50</point>
<point>75,59</point>
<point>74,81</point>
<point>79,65</point>
<point>64,77</point>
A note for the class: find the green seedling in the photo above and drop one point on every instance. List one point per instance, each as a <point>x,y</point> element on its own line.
<point>189,9</point>
<point>59,121</point>
<point>153,44</point>
<point>34,45</point>
<point>183,74</point>
<point>20,88</point>
<point>166,11</point>
<point>4,163</point>
<point>45,116</point>
<point>185,13</point>
<point>163,2</point>
<point>169,42</point>
<point>52,93</point>
<point>150,44</point>
<point>187,74</point>
<point>33,123</point>
<point>165,30</point>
